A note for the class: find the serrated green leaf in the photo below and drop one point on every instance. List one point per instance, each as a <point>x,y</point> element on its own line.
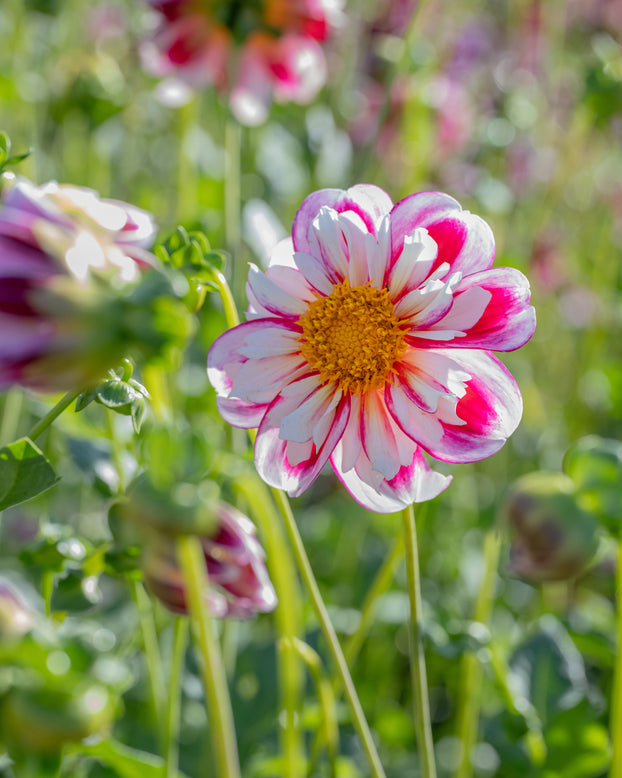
<point>24,473</point>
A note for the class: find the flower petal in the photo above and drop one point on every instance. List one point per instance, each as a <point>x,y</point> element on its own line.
<point>464,240</point>
<point>368,201</point>
<point>415,482</point>
<point>272,453</point>
<point>271,296</point>
<point>413,265</point>
<point>508,320</point>
<point>477,425</point>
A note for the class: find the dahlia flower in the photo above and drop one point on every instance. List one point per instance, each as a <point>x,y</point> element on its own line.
<point>239,583</point>
<point>65,258</point>
<point>256,52</point>
<point>368,345</point>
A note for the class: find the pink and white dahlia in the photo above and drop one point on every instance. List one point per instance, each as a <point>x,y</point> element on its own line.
<point>368,346</point>
<point>65,256</point>
<point>255,52</point>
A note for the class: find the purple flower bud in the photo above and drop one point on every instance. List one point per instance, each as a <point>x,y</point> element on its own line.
<point>239,583</point>
<point>67,258</point>
<point>553,538</point>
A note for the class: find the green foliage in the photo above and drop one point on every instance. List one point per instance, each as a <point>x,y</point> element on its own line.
<point>24,473</point>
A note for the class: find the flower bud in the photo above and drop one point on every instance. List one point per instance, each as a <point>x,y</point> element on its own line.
<point>553,538</point>
<point>239,586</point>
<point>43,719</point>
<point>75,296</point>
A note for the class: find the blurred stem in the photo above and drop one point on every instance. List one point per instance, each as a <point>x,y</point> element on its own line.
<point>171,742</point>
<point>470,678</point>
<point>232,194</point>
<point>117,451</point>
<point>47,588</point>
<point>419,681</point>
<point>155,381</point>
<point>219,710</point>
<point>287,616</point>
<point>54,413</point>
<point>616,702</point>
<point>228,302</point>
<point>10,415</point>
<point>330,635</point>
<point>185,207</point>
<point>144,608</point>
<point>380,585</point>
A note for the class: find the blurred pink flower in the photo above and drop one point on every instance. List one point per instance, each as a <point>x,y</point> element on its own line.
<point>255,55</point>
<point>53,240</point>
<point>368,343</point>
<point>239,583</point>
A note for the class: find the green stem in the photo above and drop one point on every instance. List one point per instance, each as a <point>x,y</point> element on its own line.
<point>10,415</point>
<point>287,616</point>
<point>468,705</point>
<point>171,742</point>
<point>149,635</point>
<point>616,702</point>
<point>228,301</point>
<point>56,411</point>
<point>330,635</point>
<point>380,585</point>
<point>233,232</point>
<point>212,668</point>
<point>421,703</point>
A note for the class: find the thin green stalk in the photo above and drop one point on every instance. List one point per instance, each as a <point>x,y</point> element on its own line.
<point>228,302</point>
<point>468,705</point>
<point>233,232</point>
<point>173,710</point>
<point>53,414</point>
<point>380,585</point>
<point>144,608</point>
<point>616,702</point>
<point>421,703</point>
<point>220,715</point>
<point>10,415</point>
<point>287,617</point>
<point>330,635</point>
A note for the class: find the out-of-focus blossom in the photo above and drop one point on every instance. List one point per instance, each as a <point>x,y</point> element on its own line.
<point>553,539</point>
<point>66,258</point>
<point>368,343</point>
<point>254,52</point>
<point>239,586</point>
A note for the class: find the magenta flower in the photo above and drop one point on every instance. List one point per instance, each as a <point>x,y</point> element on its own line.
<point>239,583</point>
<point>368,344</point>
<point>255,54</point>
<point>54,240</point>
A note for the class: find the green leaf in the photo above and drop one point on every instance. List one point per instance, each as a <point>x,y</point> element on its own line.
<point>75,592</point>
<point>577,745</point>
<point>24,473</point>
<point>128,762</point>
<point>595,466</point>
<point>5,148</point>
<point>549,669</point>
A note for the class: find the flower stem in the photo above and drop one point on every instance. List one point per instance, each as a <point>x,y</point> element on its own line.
<point>468,704</point>
<point>228,302</point>
<point>330,635</point>
<point>287,617</point>
<point>10,415</point>
<point>421,703</point>
<point>233,233</point>
<point>212,668</point>
<point>171,744</point>
<point>155,673</point>
<point>54,413</point>
<point>616,702</point>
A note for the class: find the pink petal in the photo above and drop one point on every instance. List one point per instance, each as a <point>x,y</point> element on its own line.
<point>464,240</point>
<point>489,410</point>
<point>413,265</point>
<point>415,482</point>
<point>385,445</point>
<point>271,297</point>
<point>508,320</point>
<point>369,202</point>
<point>271,451</point>
<point>20,260</point>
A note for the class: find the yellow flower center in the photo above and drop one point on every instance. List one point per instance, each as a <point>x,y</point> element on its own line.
<point>352,337</point>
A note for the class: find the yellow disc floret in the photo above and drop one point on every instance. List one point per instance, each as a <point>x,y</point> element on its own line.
<point>352,337</point>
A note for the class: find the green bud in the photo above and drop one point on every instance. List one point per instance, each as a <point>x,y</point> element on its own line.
<point>553,538</point>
